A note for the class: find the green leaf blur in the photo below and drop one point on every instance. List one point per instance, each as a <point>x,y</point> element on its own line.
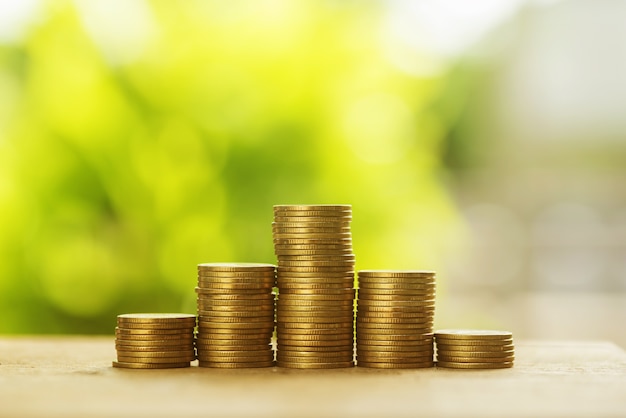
<point>124,166</point>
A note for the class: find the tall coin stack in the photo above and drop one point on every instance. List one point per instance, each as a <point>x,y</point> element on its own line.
<point>235,315</point>
<point>474,349</point>
<point>394,325</point>
<point>154,341</point>
<point>315,278</point>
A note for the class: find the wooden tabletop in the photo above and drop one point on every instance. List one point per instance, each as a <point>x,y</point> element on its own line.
<point>73,377</point>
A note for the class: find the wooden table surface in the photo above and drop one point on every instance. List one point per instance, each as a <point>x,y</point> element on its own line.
<point>73,377</point>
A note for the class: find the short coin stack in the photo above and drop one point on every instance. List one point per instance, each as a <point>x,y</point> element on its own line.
<point>315,278</point>
<point>395,312</point>
<point>154,341</point>
<point>235,315</point>
<point>474,349</point>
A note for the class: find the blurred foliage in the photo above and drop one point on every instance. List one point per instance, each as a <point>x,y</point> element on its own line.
<point>123,163</point>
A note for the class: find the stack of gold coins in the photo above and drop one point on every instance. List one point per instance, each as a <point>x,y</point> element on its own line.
<point>154,341</point>
<point>315,279</point>
<point>395,311</point>
<point>474,349</point>
<point>235,315</point>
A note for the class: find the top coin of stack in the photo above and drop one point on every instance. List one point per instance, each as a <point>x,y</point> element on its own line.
<point>474,349</point>
<point>394,324</point>
<point>315,278</point>
<point>154,341</point>
<point>235,315</point>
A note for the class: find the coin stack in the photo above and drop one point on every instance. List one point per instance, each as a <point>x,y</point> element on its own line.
<point>154,341</point>
<point>315,278</point>
<point>394,324</point>
<point>474,349</point>
<point>235,315</point>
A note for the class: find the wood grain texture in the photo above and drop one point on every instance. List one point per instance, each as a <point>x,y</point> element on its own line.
<point>73,377</point>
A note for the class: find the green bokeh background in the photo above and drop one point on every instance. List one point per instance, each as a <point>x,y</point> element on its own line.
<point>118,176</point>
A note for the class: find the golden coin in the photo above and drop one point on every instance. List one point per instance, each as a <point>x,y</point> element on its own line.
<point>236,305</point>
<point>300,313</point>
<point>471,343</point>
<point>122,365</point>
<point>238,359</point>
<point>211,329</point>
<point>209,326</point>
<point>390,309</point>
<point>232,315</point>
<point>317,207</point>
<point>156,318</point>
<point>240,365</point>
<point>346,332</point>
<point>313,299</point>
<point>335,257</point>
<point>150,343</point>
<point>399,350</point>
<point>470,359</point>
<point>155,333</point>
<point>398,300</point>
<point>236,319</point>
<point>312,345</point>
<point>472,334</point>
<point>236,287</point>
<point>396,273</point>
<point>211,295</point>
<point>151,354</point>
<point>313,322</point>
<point>140,349</point>
<point>313,213</point>
<point>219,354</point>
<point>284,336</point>
<point>304,360</point>
<point>476,348</point>
<point>298,350</point>
<point>285,243</point>
<point>404,365</point>
<point>289,235</point>
<point>372,293</point>
<point>360,336</point>
<point>154,360</point>
<point>299,353</point>
<point>325,365</point>
<point>236,266</point>
<point>397,315</point>
<point>225,308</point>
<point>344,284</point>
<point>236,275</point>
<point>345,292</point>
<point>396,360</point>
<point>335,246</point>
<point>386,301</point>
<point>456,365</point>
<point>236,345</point>
<point>316,269</point>
<point>316,276</point>
<point>307,263</point>
<point>237,339</point>
<point>328,223</point>
<point>476,353</point>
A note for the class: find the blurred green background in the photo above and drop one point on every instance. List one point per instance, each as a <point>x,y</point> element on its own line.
<point>139,142</point>
<point>483,139</point>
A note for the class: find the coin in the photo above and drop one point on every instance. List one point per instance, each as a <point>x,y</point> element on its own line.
<point>404,365</point>
<point>471,359</point>
<point>154,360</point>
<point>470,334</point>
<point>456,365</point>
<point>475,348</point>
<point>466,343</point>
<point>313,360</point>
<point>236,365</point>
<point>236,266</point>
<point>366,348</point>
<point>396,273</point>
<point>123,365</point>
<point>301,365</point>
